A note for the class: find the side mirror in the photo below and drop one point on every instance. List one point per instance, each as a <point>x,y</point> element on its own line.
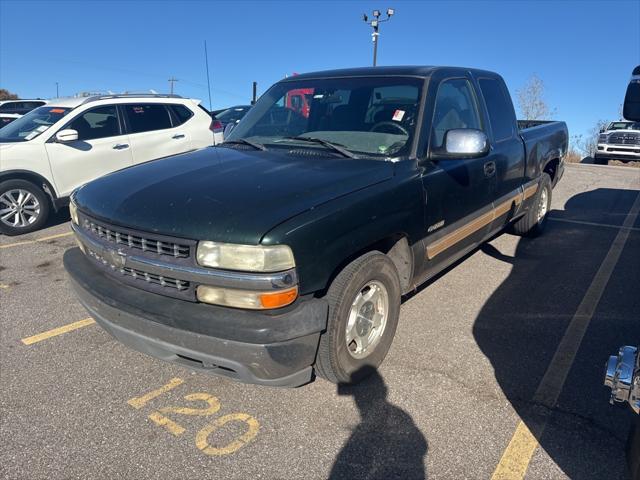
<point>67,135</point>
<point>631,109</point>
<point>463,143</point>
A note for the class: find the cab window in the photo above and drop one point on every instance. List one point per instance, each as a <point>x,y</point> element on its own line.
<point>455,107</point>
<point>100,122</point>
<point>147,117</point>
<point>499,108</point>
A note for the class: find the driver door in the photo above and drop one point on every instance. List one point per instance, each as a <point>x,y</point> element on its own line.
<point>458,192</point>
<point>101,148</point>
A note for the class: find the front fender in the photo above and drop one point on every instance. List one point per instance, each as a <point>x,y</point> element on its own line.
<point>324,238</point>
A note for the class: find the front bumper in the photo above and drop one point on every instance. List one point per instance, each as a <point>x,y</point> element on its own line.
<point>618,152</point>
<point>267,348</point>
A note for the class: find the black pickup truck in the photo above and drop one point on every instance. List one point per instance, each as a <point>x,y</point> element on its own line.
<point>286,250</point>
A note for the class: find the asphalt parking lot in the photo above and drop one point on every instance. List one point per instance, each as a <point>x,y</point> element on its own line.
<point>473,386</point>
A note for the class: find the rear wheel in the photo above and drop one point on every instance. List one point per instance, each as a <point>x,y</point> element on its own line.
<point>24,207</point>
<point>534,221</point>
<point>364,307</point>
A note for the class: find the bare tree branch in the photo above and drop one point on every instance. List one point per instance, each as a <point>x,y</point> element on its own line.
<point>531,102</point>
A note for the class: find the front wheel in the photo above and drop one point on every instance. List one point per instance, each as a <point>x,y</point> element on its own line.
<point>24,207</point>
<point>534,221</point>
<point>364,307</point>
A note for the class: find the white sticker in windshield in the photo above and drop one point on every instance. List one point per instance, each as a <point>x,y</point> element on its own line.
<point>36,132</point>
<point>398,115</point>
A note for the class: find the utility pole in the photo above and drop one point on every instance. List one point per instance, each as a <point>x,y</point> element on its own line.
<point>172,80</point>
<point>57,91</point>
<point>255,91</point>
<point>375,24</point>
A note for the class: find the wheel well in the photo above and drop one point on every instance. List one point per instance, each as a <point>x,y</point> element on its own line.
<point>396,247</point>
<point>34,178</point>
<point>551,168</point>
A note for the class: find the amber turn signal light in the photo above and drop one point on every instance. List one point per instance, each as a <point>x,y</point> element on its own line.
<point>279,299</point>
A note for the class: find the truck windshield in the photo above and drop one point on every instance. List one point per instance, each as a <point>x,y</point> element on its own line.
<point>624,126</point>
<point>32,124</point>
<point>370,116</point>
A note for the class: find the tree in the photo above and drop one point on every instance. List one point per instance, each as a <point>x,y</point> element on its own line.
<point>7,95</point>
<point>531,100</point>
<point>587,143</point>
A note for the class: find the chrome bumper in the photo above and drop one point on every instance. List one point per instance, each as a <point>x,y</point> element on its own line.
<point>623,377</point>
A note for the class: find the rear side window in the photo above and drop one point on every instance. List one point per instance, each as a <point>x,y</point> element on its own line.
<point>101,122</point>
<point>181,114</point>
<point>147,117</point>
<point>9,107</point>
<point>499,108</point>
<point>31,105</point>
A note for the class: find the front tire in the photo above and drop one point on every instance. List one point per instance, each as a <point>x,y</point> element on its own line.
<point>600,161</point>
<point>534,221</point>
<point>364,307</point>
<point>24,207</point>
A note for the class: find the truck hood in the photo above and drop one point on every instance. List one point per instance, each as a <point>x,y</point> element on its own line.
<point>222,194</point>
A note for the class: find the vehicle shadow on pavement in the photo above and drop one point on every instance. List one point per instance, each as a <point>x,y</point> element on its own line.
<point>386,444</point>
<point>521,324</point>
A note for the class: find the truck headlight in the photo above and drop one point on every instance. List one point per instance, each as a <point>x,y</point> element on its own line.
<point>247,258</point>
<point>231,297</point>
<point>602,138</point>
<point>73,211</point>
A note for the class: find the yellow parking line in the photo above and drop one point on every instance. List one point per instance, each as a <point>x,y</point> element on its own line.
<point>37,240</point>
<point>516,458</point>
<point>58,331</point>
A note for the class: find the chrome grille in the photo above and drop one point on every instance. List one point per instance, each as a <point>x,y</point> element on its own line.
<point>146,244</point>
<point>624,138</point>
<point>163,281</point>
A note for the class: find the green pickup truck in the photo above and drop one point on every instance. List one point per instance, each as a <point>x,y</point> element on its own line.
<point>287,249</point>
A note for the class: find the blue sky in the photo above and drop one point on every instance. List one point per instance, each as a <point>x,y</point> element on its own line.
<point>583,51</point>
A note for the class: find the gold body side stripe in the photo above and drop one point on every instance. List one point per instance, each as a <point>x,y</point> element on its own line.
<point>483,220</point>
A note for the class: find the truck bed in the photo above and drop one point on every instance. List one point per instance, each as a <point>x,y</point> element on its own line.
<point>525,124</point>
<point>543,141</point>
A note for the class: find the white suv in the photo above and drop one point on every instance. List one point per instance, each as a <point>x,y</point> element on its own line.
<point>54,149</point>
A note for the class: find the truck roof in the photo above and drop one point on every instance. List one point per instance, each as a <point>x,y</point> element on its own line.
<point>401,70</point>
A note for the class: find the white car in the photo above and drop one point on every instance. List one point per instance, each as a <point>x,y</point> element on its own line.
<point>7,118</point>
<point>20,106</point>
<point>52,150</point>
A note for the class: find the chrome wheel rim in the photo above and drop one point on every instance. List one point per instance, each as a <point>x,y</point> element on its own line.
<point>543,205</point>
<point>19,208</point>
<point>367,319</point>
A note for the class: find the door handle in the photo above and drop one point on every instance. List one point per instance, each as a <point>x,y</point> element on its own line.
<point>178,136</point>
<point>120,146</point>
<point>489,169</point>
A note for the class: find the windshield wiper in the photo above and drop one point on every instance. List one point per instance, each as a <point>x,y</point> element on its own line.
<point>333,146</point>
<point>244,141</point>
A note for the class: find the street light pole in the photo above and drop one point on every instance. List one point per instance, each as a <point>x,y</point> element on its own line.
<point>375,24</point>
<point>57,91</point>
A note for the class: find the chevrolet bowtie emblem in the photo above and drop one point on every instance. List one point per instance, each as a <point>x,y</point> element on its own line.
<point>116,257</point>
